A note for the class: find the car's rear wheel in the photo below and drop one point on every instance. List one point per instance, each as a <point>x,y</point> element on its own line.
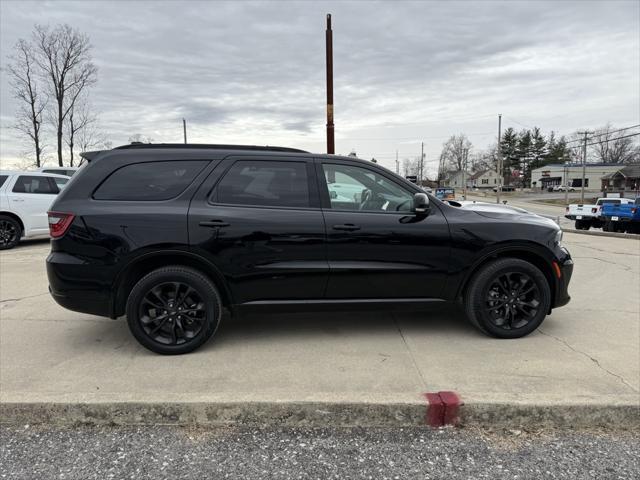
<point>173,310</point>
<point>582,225</point>
<point>10,232</point>
<point>507,298</point>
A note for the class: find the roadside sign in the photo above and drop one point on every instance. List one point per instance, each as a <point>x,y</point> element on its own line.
<point>445,193</point>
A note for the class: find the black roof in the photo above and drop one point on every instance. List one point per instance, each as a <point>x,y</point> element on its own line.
<point>137,145</point>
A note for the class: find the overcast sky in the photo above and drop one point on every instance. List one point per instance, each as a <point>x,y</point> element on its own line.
<point>405,72</point>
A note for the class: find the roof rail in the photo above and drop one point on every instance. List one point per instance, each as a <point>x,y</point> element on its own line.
<point>136,145</point>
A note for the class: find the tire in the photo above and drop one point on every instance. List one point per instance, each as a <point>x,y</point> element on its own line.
<point>173,331</point>
<point>10,232</point>
<point>582,225</point>
<point>482,287</point>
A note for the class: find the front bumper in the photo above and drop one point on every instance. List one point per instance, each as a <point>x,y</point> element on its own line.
<point>562,296</point>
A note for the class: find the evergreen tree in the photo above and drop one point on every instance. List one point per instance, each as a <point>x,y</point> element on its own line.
<point>509,152</point>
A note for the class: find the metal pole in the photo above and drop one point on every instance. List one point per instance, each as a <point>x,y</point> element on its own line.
<point>420,164</point>
<point>566,183</point>
<point>184,129</point>
<point>397,164</point>
<point>331,147</point>
<point>584,166</point>
<point>499,158</point>
<point>464,172</point>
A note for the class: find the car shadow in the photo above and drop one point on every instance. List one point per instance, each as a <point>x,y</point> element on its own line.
<point>31,242</point>
<point>258,329</point>
<point>261,328</point>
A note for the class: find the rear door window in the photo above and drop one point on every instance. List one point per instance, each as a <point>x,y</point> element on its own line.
<point>35,184</point>
<point>264,183</point>
<point>150,180</point>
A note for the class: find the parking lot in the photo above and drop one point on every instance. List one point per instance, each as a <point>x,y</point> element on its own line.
<point>585,354</point>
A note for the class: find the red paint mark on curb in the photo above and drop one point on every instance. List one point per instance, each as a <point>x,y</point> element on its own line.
<point>443,408</point>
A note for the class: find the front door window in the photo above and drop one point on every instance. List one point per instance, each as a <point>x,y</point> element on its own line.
<point>358,188</point>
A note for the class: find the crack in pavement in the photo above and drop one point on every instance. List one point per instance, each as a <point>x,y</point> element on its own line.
<point>625,267</point>
<point>593,359</point>
<point>415,364</point>
<point>591,247</point>
<point>23,298</point>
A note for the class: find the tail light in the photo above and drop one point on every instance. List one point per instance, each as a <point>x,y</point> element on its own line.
<point>594,210</point>
<point>566,209</point>
<point>634,210</point>
<point>59,223</point>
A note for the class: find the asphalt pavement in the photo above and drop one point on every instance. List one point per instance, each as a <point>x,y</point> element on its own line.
<point>43,453</point>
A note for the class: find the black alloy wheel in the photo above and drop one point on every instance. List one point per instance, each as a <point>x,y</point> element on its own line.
<point>512,300</point>
<point>173,310</point>
<point>507,298</point>
<point>172,313</point>
<point>9,233</point>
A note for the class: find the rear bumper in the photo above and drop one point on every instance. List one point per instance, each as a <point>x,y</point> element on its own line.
<point>71,285</point>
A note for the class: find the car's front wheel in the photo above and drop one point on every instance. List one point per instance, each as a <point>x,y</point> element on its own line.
<point>173,310</point>
<point>507,298</point>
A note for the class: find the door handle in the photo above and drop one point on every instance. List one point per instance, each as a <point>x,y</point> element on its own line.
<point>214,224</point>
<point>348,227</point>
<point>18,199</point>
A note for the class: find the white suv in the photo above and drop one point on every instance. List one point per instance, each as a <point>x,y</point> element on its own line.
<point>25,198</point>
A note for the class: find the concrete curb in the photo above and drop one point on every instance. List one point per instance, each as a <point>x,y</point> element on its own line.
<point>603,234</point>
<point>483,414</point>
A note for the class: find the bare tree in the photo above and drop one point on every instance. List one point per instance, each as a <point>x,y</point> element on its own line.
<point>23,79</point>
<point>139,138</point>
<point>455,151</point>
<point>611,148</point>
<point>64,56</point>
<point>79,121</point>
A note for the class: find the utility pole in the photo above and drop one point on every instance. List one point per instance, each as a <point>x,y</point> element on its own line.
<point>464,173</point>
<point>499,159</point>
<point>420,164</point>
<point>331,147</point>
<point>184,129</point>
<point>565,180</point>
<point>584,165</point>
<point>397,163</point>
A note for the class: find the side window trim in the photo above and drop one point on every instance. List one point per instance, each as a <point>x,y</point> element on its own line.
<point>325,200</point>
<point>211,197</point>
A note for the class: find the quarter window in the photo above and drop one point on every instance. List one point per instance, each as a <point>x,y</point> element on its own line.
<point>35,184</point>
<point>3,178</point>
<point>273,184</point>
<point>150,180</point>
<point>358,188</point>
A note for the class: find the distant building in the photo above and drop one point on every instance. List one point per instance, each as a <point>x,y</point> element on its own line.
<point>571,175</point>
<point>484,179</point>
<point>454,179</point>
<point>626,179</point>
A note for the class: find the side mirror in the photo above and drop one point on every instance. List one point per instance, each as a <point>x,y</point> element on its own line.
<point>421,203</point>
<point>333,194</point>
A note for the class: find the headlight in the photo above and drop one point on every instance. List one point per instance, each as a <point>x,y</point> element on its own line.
<point>559,237</point>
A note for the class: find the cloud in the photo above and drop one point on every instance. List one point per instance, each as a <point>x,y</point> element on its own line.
<point>404,71</point>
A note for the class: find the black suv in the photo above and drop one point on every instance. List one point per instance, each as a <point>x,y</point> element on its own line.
<point>171,234</point>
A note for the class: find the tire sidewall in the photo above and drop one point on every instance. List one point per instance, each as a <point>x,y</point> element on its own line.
<point>479,288</point>
<point>201,284</point>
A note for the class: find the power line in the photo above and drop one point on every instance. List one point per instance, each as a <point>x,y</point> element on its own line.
<point>614,139</point>
<point>604,133</point>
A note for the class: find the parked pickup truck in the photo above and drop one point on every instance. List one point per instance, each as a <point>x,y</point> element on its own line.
<point>587,216</point>
<point>623,217</point>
